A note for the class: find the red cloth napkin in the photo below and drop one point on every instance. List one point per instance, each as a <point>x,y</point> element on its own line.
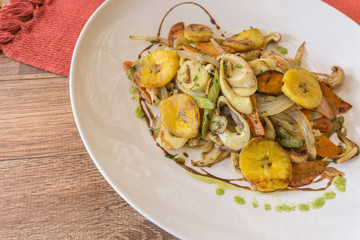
<point>351,8</point>
<point>43,33</point>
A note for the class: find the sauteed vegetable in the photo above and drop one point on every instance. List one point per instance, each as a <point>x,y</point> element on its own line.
<point>236,100</point>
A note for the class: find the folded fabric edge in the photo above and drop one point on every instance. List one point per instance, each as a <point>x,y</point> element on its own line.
<point>15,15</point>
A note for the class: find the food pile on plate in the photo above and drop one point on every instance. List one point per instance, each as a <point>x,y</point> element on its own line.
<point>234,98</point>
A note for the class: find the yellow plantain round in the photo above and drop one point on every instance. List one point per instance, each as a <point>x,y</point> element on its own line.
<point>265,165</point>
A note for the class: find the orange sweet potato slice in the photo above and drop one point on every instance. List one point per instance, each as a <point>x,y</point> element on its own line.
<point>269,82</point>
<point>340,105</point>
<point>304,173</point>
<point>322,124</point>
<point>325,147</point>
<point>176,31</point>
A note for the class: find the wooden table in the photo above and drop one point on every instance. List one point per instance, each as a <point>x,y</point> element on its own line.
<point>49,186</point>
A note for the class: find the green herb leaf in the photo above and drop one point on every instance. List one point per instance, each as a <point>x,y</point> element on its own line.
<point>282,50</point>
<point>171,156</point>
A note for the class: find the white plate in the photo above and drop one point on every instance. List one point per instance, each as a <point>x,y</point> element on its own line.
<point>125,154</point>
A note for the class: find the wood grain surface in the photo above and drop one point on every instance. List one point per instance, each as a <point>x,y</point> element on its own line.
<point>49,186</point>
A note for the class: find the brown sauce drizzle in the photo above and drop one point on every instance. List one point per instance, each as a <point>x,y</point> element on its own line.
<point>330,173</point>
<point>147,48</point>
<point>212,20</point>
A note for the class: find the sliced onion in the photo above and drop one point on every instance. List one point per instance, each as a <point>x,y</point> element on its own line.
<point>271,105</point>
<point>217,46</point>
<point>284,117</point>
<point>305,127</point>
<point>163,92</point>
<point>285,125</point>
<point>234,140</point>
<point>150,39</point>
<point>198,57</point>
<point>269,128</point>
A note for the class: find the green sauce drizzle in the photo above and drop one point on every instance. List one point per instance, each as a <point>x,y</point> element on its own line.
<point>318,203</point>
<point>255,203</point>
<point>139,113</point>
<point>219,191</point>
<point>329,195</point>
<point>267,207</point>
<point>132,90</point>
<point>340,184</point>
<point>239,200</point>
<point>282,50</point>
<point>303,207</point>
<point>285,208</point>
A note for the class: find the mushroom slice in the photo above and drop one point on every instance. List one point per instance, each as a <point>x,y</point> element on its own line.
<point>235,160</point>
<point>169,141</point>
<point>207,161</point>
<point>238,139</point>
<point>271,37</point>
<point>234,140</point>
<point>200,143</point>
<point>198,57</point>
<point>214,138</point>
<point>238,71</point>
<point>240,103</point>
<point>251,55</point>
<point>245,92</point>
<point>218,123</point>
<point>262,65</point>
<point>155,95</point>
<point>280,62</point>
<point>333,80</point>
<point>297,157</point>
<point>351,150</point>
<point>192,77</point>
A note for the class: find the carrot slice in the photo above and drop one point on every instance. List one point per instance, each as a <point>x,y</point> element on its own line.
<point>127,66</point>
<point>253,119</point>
<point>307,112</point>
<point>325,147</point>
<point>176,31</point>
<point>270,82</point>
<point>207,48</point>
<point>340,105</point>
<point>304,173</point>
<point>189,48</point>
<point>327,108</point>
<point>322,124</point>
